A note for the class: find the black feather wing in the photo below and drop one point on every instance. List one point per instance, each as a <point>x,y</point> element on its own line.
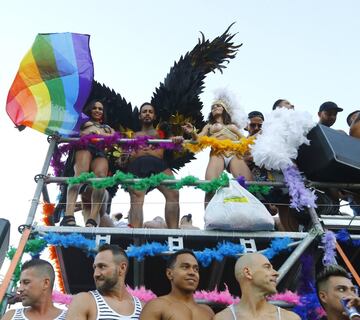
<point>118,111</point>
<point>177,99</point>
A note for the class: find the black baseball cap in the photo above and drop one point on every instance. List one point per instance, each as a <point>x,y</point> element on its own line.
<point>329,105</point>
<point>254,114</point>
<point>350,115</point>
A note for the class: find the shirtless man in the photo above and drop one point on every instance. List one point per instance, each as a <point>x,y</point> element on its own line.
<point>257,279</point>
<point>353,120</point>
<point>179,304</point>
<point>36,286</point>
<point>111,300</point>
<point>145,162</point>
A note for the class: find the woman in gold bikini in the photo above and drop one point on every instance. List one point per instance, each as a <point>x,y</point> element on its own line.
<point>221,126</point>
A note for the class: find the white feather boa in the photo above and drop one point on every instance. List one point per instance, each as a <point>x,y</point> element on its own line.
<point>283,131</point>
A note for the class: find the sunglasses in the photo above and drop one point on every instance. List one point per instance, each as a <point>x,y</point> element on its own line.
<point>254,125</point>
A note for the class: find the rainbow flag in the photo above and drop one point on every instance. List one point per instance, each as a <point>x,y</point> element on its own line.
<point>52,84</point>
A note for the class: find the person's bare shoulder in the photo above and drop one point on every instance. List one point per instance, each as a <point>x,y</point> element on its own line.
<point>206,311</point>
<point>87,124</point>
<point>8,315</point>
<point>223,315</point>
<point>154,309</point>
<point>81,306</point>
<point>289,315</point>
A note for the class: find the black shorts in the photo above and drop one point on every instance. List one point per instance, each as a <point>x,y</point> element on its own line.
<point>95,151</point>
<point>145,166</point>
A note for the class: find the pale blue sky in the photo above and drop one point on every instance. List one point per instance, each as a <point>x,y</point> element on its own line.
<point>305,51</point>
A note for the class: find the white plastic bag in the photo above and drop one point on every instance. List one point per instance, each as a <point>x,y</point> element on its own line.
<point>235,208</point>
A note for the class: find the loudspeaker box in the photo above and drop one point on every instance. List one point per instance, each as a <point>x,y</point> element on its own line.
<point>332,156</point>
<point>4,239</point>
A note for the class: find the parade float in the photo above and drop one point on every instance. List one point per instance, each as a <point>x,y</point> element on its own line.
<point>54,82</point>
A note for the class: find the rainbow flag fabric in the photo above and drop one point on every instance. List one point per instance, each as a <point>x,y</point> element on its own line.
<point>52,84</point>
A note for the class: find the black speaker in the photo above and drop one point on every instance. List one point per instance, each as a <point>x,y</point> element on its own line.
<point>4,239</point>
<point>332,156</point>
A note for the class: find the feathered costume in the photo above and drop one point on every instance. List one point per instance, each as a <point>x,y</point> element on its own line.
<point>176,100</point>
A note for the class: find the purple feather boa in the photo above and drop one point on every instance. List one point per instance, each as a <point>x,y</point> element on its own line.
<point>329,243</point>
<point>241,181</point>
<point>300,196</point>
<point>103,142</point>
<point>99,141</point>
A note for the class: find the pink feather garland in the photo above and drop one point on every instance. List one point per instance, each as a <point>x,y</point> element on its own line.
<point>222,297</point>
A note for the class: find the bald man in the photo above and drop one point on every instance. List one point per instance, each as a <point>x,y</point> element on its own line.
<point>257,279</point>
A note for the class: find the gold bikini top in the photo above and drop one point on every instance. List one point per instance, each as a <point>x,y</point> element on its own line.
<point>224,131</point>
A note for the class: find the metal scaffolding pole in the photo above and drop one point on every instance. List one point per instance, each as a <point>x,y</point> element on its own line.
<point>6,286</point>
<point>198,182</point>
<point>295,255</point>
<point>40,183</point>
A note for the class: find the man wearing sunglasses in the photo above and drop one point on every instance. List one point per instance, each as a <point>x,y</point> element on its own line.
<point>256,119</point>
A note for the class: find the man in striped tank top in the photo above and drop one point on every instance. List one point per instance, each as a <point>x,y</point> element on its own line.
<point>111,300</point>
<point>36,285</point>
<point>183,273</point>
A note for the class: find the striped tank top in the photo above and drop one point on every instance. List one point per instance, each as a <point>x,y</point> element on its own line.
<point>104,312</point>
<point>20,315</point>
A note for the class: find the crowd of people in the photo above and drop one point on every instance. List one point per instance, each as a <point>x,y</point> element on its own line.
<point>254,273</point>
<point>147,161</point>
<point>111,299</point>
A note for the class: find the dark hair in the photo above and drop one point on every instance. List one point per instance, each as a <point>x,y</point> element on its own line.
<point>348,119</point>
<point>42,266</point>
<point>254,114</point>
<point>172,259</point>
<point>330,271</point>
<point>146,104</point>
<point>87,109</point>
<point>276,104</point>
<point>118,252</point>
<point>225,116</point>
